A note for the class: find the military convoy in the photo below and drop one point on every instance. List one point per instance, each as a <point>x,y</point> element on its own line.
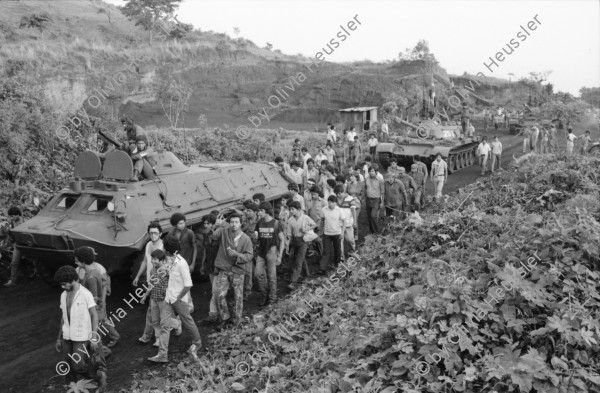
<point>103,209</point>
<point>428,138</point>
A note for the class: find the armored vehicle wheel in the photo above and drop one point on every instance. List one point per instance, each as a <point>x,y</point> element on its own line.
<point>463,160</point>
<point>470,158</point>
<point>595,150</point>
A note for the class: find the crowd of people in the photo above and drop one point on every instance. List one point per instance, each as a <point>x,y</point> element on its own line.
<point>255,247</point>
<point>537,139</point>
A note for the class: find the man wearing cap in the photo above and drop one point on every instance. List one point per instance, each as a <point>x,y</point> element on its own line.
<point>420,179</point>
<point>439,174</point>
<point>396,196</point>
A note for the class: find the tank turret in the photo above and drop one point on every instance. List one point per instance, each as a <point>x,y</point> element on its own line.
<point>103,209</point>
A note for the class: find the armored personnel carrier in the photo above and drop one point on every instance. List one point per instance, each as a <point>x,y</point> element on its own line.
<point>428,138</point>
<point>103,209</point>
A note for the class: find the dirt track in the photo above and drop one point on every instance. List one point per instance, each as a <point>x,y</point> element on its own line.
<point>29,318</point>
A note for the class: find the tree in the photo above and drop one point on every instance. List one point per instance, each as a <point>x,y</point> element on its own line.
<point>173,96</point>
<point>236,31</point>
<point>591,95</point>
<point>419,52</point>
<point>269,46</point>
<point>150,13</point>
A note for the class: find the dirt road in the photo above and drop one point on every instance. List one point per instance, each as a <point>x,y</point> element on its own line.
<point>29,319</point>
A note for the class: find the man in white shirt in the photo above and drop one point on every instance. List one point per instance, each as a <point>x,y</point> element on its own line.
<point>332,228</point>
<point>331,134</point>
<point>351,138</point>
<point>483,152</point>
<point>496,152</point>
<point>177,299</point>
<point>78,336</point>
<point>439,174</point>
<point>351,134</point>
<point>372,142</point>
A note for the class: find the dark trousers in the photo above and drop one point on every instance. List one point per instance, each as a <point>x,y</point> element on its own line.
<point>373,213</point>
<point>372,150</point>
<point>298,249</point>
<point>332,244</point>
<point>82,360</point>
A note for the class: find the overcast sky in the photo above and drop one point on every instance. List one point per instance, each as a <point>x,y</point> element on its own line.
<point>461,34</point>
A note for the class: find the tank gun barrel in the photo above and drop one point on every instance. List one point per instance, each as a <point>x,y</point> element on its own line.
<point>406,123</point>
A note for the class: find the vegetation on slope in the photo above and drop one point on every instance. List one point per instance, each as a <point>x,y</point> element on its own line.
<point>497,290</point>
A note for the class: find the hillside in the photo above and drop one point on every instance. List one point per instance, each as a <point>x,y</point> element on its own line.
<point>494,291</point>
<point>85,43</point>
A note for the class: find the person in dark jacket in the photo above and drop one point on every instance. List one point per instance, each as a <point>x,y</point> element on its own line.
<point>186,239</point>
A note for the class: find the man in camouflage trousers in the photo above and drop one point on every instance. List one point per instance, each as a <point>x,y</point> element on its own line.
<point>235,252</point>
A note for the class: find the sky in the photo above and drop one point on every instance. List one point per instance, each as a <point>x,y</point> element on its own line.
<point>463,35</point>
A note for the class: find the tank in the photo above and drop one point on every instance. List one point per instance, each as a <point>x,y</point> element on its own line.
<point>427,139</point>
<point>103,209</point>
